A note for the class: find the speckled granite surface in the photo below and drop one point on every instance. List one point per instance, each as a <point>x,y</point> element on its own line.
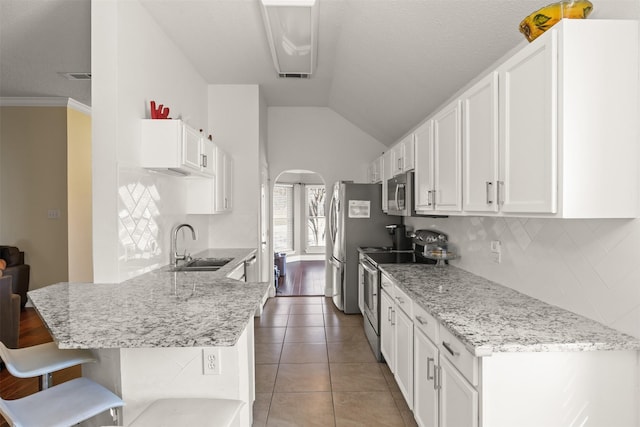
<point>157,309</point>
<point>491,318</point>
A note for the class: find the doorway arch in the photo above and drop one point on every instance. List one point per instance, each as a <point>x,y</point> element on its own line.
<point>298,227</point>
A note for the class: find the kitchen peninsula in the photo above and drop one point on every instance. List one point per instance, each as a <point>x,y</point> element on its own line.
<point>150,333</point>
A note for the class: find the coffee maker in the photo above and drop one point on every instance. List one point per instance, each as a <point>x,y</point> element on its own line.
<point>399,236</point>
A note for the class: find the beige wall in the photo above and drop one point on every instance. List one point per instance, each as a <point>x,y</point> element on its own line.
<point>79,196</point>
<point>33,180</point>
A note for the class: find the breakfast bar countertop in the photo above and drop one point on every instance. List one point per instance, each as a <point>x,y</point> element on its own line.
<point>491,318</point>
<point>160,308</point>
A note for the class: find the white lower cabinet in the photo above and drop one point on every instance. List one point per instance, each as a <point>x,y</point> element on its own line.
<point>404,355</point>
<point>387,332</point>
<point>458,399</point>
<point>425,394</point>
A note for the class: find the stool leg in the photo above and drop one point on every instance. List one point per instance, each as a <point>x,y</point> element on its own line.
<point>45,381</point>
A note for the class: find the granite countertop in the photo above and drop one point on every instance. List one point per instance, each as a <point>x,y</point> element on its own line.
<point>157,309</point>
<point>491,318</point>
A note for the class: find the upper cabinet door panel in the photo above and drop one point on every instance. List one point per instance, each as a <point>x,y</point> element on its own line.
<point>447,154</point>
<point>424,167</point>
<point>528,94</point>
<point>480,145</point>
<point>192,148</point>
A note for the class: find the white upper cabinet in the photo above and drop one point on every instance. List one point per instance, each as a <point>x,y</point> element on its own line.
<point>423,189</point>
<point>208,157</point>
<point>439,162</point>
<point>402,155</point>
<point>480,145</point>
<point>224,181</point>
<point>172,145</point>
<point>551,132</point>
<point>387,173</point>
<point>374,171</point>
<point>528,146</point>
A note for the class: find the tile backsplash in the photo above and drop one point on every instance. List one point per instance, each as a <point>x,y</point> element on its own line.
<point>590,267</point>
<point>150,204</point>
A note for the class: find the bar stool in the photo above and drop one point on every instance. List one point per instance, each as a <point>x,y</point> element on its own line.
<point>41,361</point>
<point>63,405</point>
<point>201,412</point>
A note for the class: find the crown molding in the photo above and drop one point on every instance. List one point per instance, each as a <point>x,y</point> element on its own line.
<point>9,101</point>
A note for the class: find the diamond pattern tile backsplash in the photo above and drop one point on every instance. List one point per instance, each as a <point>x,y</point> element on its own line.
<point>590,267</point>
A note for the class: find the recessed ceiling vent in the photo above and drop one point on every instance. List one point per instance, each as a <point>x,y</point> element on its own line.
<point>294,76</point>
<point>77,76</point>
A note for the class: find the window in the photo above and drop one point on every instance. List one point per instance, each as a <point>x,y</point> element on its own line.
<point>283,218</point>
<point>315,197</point>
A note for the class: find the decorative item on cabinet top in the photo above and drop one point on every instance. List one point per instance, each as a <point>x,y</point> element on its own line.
<point>543,19</point>
<point>159,112</point>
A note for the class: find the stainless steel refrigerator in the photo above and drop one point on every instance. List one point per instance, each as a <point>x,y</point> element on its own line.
<point>355,220</point>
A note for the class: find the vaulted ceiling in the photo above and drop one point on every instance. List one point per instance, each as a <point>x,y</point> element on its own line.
<point>384,65</point>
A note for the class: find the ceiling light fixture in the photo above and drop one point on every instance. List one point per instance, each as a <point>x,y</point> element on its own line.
<point>292,31</point>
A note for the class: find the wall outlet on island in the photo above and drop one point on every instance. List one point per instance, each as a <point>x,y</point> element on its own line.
<point>211,361</point>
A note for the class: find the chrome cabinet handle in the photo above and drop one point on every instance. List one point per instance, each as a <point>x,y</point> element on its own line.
<point>421,320</point>
<point>500,193</point>
<point>449,349</point>
<point>429,198</point>
<point>393,312</point>
<point>389,314</point>
<point>489,184</point>
<point>429,363</point>
<point>437,377</point>
<point>400,300</point>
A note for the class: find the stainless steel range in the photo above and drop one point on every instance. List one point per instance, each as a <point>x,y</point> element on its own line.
<point>369,278</point>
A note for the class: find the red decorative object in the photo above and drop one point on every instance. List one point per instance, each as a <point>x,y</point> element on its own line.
<point>161,112</point>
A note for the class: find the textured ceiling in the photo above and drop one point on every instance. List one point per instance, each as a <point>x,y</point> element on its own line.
<point>384,65</point>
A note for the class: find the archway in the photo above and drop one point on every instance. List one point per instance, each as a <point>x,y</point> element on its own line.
<point>298,233</point>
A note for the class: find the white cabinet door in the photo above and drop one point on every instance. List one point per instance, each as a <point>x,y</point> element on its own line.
<point>224,181</point>
<point>480,146</point>
<point>387,173</point>
<point>458,399</point>
<point>191,148</point>
<point>447,158</point>
<point>424,167</point>
<point>403,355</point>
<point>528,145</point>
<point>408,154</point>
<point>208,157</point>
<point>387,329</point>
<point>425,395</point>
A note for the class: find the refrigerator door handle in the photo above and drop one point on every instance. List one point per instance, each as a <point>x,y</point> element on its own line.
<point>332,225</point>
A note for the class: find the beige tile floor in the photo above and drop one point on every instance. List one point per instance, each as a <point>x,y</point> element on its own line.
<point>314,367</point>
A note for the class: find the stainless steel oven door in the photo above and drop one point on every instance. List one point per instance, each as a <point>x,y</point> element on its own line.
<point>370,290</point>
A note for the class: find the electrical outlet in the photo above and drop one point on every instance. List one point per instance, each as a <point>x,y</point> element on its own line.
<point>211,361</point>
<point>496,251</point>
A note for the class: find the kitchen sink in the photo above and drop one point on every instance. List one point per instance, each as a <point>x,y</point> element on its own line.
<point>203,264</point>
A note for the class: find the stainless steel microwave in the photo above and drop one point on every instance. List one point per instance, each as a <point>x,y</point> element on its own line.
<point>400,195</point>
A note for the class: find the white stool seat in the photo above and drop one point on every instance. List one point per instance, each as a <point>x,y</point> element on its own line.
<point>201,412</point>
<point>41,359</point>
<point>61,406</point>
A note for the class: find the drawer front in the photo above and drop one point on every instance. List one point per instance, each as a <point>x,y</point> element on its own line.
<point>425,322</point>
<point>403,302</point>
<point>387,285</point>
<point>458,355</point>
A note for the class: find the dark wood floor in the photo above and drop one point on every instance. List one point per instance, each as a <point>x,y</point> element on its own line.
<point>303,278</point>
<point>32,332</point>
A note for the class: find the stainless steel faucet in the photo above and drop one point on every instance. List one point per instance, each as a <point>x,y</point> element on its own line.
<point>174,244</point>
